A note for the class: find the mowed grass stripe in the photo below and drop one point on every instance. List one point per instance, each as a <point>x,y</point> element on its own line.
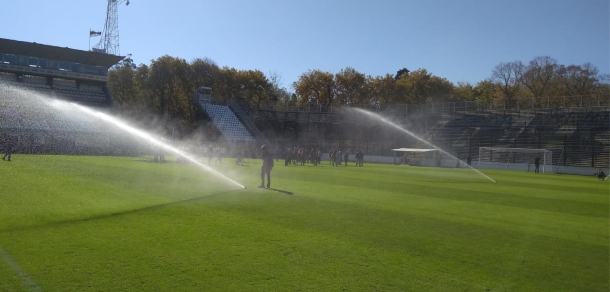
<point>328,235</point>
<point>582,228</point>
<point>361,218</point>
<point>399,242</point>
<point>498,194</point>
<point>567,187</point>
<point>554,186</point>
<point>64,189</point>
<point>489,207</point>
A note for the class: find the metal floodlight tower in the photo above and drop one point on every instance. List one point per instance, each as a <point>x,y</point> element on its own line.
<point>109,43</point>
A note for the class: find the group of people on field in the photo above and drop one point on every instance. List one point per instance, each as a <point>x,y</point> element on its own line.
<point>212,152</point>
<point>301,156</point>
<point>336,157</point>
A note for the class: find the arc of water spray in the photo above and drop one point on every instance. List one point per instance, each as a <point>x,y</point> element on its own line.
<point>145,136</point>
<point>374,115</point>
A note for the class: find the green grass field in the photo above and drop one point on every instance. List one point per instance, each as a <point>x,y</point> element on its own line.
<point>70,223</point>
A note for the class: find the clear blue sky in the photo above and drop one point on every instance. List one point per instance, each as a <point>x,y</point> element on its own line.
<point>457,40</point>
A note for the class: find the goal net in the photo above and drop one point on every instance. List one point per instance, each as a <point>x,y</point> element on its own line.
<point>515,158</point>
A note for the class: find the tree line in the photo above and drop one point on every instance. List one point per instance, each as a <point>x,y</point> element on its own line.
<point>161,93</point>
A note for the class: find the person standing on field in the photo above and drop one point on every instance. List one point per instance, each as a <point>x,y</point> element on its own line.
<point>219,157</point>
<point>8,148</point>
<point>267,166</point>
<point>537,164</point>
<point>287,155</point>
<point>600,174</point>
<point>359,158</point>
<point>338,158</point>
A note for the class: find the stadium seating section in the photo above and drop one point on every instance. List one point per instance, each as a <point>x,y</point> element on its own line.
<point>66,90</point>
<point>576,137</point>
<point>226,122</point>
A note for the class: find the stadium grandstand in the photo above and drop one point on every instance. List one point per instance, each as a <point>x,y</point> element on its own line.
<point>576,130</point>
<point>229,120</point>
<point>577,133</point>
<point>28,69</point>
<point>64,73</point>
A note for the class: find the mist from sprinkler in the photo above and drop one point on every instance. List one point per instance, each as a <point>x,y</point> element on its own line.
<point>149,138</point>
<point>385,120</point>
<point>17,102</point>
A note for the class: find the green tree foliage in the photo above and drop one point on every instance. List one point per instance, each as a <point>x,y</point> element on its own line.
<point>420,87</point>
<point>384,91</point>
<point>508,77</point>
<point>316,87</point>
<point>160,94</point>
<point>399,73</point>
<point>577,79</point>
<point>538,75</point>
<point>486,91</point>
<point>254,87</point>
<point>352,87</point>
<point>464,91</point>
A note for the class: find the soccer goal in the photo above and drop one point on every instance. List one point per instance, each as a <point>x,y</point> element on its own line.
<point>515,158</point>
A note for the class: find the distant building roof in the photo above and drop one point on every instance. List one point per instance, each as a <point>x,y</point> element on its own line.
<point>57,53</point>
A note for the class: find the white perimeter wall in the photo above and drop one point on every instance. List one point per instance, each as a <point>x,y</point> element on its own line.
<point>483,165</point>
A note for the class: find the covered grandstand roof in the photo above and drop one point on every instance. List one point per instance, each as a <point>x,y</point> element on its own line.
<point>57,53</point>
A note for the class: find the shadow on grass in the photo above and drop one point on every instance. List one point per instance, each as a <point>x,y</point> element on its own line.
<point>152,161</point>
<point>110,215</point>
<point>281,191</point>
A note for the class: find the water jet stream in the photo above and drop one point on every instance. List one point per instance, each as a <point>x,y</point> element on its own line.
<point>145,136</point>
<point>381,118</point>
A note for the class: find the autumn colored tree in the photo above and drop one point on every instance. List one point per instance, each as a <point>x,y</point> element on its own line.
<point>383,91</point>
<point>538,74</point>
<point>351,87</point>
<point>508,76</point>
<point>160,94</point>
<point>463,91</point>
<point>316,87</point>
<point>420,87</point>
<point>486,91</point>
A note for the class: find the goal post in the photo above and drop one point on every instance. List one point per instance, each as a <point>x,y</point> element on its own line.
<point>515,158</point>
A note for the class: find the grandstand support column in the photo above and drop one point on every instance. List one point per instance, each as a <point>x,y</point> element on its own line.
<point>592,148</point>
<point>470,146</point>
<point>565,143</point>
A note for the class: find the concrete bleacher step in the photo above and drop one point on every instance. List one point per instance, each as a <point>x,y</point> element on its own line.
<point>226,122</point>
